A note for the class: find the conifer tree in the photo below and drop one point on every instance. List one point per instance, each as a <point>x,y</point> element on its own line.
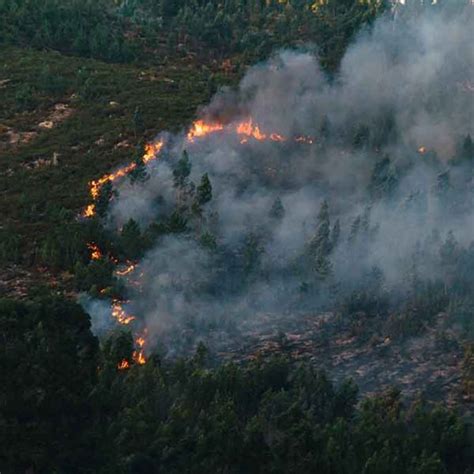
<point>335,234</point>
<point>204,190</point>
<point>138,123</point>
<point>320,245</point>
<point>131,242</point>
<point>106,194</point>
<point>182,170</point>
<point>139,174</point>
<point>277,210</point>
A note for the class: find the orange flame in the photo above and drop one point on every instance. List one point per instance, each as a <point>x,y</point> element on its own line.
<point>249,129</point>
<point>120,314</point>
<point>151,151</point>
<point>89,211</point>
<point>96,254</point>
<point>139,357</point>
<point>123,364</point>
<point>201,129</point>
<point>246,129</point>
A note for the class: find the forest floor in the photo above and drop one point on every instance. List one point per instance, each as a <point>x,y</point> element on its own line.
<point>428,365</point>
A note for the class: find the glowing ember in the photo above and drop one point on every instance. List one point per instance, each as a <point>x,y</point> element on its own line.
<point>126,270</point>
<point>123,364</point>
<point>96,254</point>
<point>304,139</point>
<point>201,129</point>
<point>120,314</point>
<point>276,137</point>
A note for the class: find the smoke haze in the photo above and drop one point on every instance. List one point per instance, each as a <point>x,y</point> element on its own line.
<point>403,94</point>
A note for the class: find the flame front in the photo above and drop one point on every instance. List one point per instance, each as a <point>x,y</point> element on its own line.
<point>151,152</point>
<point>245,129</point>
<point>119,313</point>
<point>250,130</point>
<point>200,129</point>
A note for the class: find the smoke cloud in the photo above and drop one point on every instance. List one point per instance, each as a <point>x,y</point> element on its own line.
<point>403,94</point>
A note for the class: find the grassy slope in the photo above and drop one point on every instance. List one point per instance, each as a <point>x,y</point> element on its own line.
<point>167,96</point>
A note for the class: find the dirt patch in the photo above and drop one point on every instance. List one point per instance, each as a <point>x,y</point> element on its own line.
<point>10,137</point>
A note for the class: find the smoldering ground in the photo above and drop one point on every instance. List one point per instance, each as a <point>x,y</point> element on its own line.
<point>385,133</point>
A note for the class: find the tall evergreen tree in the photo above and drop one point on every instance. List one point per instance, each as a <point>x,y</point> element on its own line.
<point>102,202</point>
<point>277,210</point>
<point>182,170</point>
<point>320,245</point>
<point>383,180</point>
<point>137,122</point>
<point>335,234</point>
<point>204,190</point>
<point>131,242</point>
<point>139,174</point>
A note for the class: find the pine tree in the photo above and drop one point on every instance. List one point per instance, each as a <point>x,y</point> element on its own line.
<point>208,240</point>
<point>252,252</point>
<point>139,174</point>
<point>355,228</point>
<point>325,129</point>
<point>335,234</point>
<point>131,242</point>
<point>384,180</point>
<point>361,137</point>
<point>443,184</point>
<point>321,242</point>
<point>182,170</point>
<point>320,245</point>
<point>203,195</point>
<point>204,190</point>
<point>467,149</point>
<point>176,223</point>
<point>102,202</point>
<point>449,250</point>
<point>277,210</point>
<point>138,123</point>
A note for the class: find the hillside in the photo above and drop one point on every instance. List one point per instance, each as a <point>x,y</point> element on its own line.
<point>236,237</point>
<point>81,111</point>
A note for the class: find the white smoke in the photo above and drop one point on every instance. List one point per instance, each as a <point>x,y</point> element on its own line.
<point>411,71</point>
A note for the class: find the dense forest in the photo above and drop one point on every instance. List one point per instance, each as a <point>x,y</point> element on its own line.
<point>146,29</point>
<point>236,236</point>
<point>70,410</point>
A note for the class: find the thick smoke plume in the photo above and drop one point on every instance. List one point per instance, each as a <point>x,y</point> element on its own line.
<point>384,133</point>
